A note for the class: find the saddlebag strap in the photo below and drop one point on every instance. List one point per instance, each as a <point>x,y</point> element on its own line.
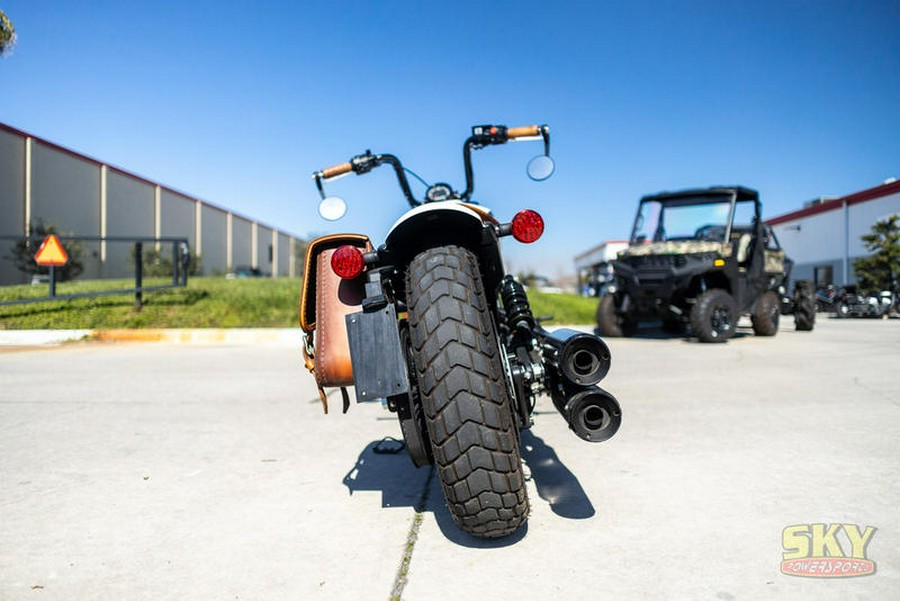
<point>311,367</point>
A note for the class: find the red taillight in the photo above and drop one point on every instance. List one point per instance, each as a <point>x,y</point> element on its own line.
<point>527,226</point>
<point>347,262</point>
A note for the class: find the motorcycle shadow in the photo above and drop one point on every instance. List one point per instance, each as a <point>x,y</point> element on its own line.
<point>555,483</point>
<point>384,466</point>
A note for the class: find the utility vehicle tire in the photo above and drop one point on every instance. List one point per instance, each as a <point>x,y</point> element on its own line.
<point>714,316</point>
<point>766,314</point>
<point>804,307</point>
<point>463,390</point>
<point>610,323</point>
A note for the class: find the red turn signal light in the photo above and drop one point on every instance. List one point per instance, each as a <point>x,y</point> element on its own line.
<point>347,262</point>
<point>527,226</point>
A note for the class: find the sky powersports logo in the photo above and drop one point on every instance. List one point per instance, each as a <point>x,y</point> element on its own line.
<point>826,550</point>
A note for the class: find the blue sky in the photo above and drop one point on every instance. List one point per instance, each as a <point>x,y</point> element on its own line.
<point>239,102</point>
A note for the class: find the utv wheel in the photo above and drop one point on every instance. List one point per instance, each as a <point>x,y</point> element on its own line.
<point>714,316</point>
<point>766,314</point>
<point>804,307</point>
<point>610,323</point>
<point>463,391</point>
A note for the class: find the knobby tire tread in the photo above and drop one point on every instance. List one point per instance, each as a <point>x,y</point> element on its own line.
<point>805,306</point>
<point>701,315</point>
<point>609,322</point>
<point>766,316</point>
<point>463,391</point>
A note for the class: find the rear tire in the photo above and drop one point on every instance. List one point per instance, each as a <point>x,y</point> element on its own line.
<point>463,391</point>
<point>714,316</point>
<point>610,323</point>
<point>766,314</point>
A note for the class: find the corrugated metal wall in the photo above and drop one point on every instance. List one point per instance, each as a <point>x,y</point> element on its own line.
<point>40,181</point>
<point>130,211</point>
<point>12,206</point>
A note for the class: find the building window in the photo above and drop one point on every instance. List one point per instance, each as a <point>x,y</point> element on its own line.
<point>824,275</point>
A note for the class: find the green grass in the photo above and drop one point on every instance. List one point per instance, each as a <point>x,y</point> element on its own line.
<point>205,303</point>
<point>208,302</point>
<point>569,309</point>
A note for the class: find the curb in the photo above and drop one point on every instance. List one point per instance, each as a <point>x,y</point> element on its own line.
<point>40,337</point>
<point>277,336</point>
<point>274,336</point>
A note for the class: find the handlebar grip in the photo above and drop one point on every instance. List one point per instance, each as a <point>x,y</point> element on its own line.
<point>336,170</point>
<point>523,132</point>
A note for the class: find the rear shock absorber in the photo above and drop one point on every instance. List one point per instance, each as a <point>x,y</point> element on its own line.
<point>515,302</point>
<point>525,368</point>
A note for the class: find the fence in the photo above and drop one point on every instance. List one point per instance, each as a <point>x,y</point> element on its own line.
<point>181,257</point>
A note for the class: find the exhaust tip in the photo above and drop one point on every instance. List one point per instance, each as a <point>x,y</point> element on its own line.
<point>585,361</point>
<point>594,415</point>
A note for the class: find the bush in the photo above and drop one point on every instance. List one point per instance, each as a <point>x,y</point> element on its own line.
<point>22,254</point>
<point>157,263</point>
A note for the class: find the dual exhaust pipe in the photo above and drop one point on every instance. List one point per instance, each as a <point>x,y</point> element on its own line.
<point>577,362</point>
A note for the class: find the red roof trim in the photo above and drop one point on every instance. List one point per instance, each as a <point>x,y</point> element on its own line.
<point>834,204</point>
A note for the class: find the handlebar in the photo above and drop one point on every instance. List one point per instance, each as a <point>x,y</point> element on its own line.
<point>528,131</point>
<point>482,135</point>
<point>336,170</point>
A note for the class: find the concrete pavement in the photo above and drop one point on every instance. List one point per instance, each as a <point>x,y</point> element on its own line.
<point>148,471</point>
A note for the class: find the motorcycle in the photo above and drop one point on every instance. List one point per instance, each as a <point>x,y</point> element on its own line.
<point>825,298</point>
<point>429,324</point>
<point>850,303</point>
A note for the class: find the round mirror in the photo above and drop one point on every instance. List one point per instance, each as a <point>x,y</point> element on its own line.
<point>540,168</point>
<point>332,208</point>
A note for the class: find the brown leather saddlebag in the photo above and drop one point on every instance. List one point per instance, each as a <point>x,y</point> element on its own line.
<point>325,302</point>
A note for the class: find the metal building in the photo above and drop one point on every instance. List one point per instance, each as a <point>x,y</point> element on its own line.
<point>823,238</point>
<point>594,268</point>
<point>42,181</point>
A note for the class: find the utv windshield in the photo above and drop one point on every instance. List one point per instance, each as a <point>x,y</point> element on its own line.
<point>686,218</point>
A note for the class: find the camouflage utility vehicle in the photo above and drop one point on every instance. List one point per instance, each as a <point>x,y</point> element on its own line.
<point>698,260</point>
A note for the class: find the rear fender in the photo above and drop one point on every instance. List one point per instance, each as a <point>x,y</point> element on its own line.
<point>448,223</point>
<point>438,224</point>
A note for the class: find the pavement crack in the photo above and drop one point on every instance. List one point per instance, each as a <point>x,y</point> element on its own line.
<point>401,578</point>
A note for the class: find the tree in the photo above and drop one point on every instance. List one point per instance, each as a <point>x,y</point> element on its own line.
<point>880,269</point>
<point>7,34</point>
<point>527,278</point>
<point>22,254</point>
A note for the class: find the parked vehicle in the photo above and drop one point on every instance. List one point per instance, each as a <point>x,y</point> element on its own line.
<point>851,303</point>
<point>245,271</point>
<point>697,260</point>
<point>826,297</point>
<point>429,323</point>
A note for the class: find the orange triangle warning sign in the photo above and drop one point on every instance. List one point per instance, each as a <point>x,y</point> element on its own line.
<point>51,252</point>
